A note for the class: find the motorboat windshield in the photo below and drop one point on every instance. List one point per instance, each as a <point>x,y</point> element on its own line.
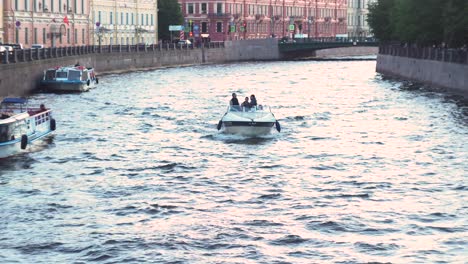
<point>257,108</point>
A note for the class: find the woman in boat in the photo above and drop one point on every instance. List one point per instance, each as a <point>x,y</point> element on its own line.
<point>253,101</point>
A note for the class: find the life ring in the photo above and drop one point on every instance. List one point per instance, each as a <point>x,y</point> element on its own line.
<point>52,124</point>
<point>88,82</point>
<point>24,141</point>
<point>220,123</point>
<point>278,127</point>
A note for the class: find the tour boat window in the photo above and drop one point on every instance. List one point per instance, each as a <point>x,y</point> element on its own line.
<point>74,75</point>
<point>61,74</point>
<point>50,75</point>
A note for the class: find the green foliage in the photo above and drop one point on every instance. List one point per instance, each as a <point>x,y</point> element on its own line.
<point>169,14</point>
<point>379,19</point>
<point>424,22</point>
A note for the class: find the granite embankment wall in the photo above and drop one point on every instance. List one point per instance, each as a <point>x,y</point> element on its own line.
<point>344,52</point>
<point>23,76</point>
<point>439,68</point>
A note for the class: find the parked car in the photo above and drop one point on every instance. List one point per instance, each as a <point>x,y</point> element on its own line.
<point>6,48</point>
<point>184,42</point>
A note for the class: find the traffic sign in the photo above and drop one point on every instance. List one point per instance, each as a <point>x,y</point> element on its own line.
<point>176,27</point>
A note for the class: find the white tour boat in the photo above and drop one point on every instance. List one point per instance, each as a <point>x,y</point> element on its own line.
<point>69,79</point>
<point>254,121</point>
<point>20,126</point>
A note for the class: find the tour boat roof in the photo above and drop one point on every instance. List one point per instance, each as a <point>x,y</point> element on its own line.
<point>13,100</point>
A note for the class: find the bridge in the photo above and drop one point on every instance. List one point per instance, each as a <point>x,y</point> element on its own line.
<point>307,47</point>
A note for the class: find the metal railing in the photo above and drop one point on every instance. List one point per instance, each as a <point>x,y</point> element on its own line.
<point>27,55</point>
<point>426,53</point>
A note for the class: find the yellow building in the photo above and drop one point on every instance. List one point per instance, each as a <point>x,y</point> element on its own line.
<point>125,22</point>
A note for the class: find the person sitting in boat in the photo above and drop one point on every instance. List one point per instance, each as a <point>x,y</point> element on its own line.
<point>246,105</point>
<point>42,108</point>
<point>253,101</point>
<point>234,102</point>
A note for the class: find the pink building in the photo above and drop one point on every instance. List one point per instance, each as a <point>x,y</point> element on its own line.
<point>221,20</point>
<point>53,23</point>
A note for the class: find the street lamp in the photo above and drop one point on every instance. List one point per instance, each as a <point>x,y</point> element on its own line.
<point>310,20</point>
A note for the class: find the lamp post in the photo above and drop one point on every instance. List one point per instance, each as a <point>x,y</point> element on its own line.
<point>310,20</point>
<point>316,16</point>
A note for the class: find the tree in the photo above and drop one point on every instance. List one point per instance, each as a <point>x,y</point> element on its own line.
<point>169,14</point>
<point>422,22</point>
<point>380,19</point>
<point>455,23</point>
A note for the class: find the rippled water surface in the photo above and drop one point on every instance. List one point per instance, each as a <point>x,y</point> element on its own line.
<point>364,169</point>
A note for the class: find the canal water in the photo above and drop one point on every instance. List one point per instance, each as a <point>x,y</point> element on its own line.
<point>364,170</point>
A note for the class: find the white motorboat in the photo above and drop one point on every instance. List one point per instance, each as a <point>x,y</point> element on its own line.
<point>20,126</point>
<point>69,79</point>
<point>254,121</point>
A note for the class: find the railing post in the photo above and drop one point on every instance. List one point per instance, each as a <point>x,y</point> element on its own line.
<point>5,57</point>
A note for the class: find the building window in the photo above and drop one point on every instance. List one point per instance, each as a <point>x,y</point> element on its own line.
<point>203,8</point>
<point>26,5</point>
<point>142,19</point>
<point>82,6</point>
<point>43,36</point>
<point>51,5</point>
<point>75,40</point>
<point>17,35</point>
<point>60,38</point>
<point>204,27</point>
<point>190,8</point>
<point>99,16</point>
<point>76,9</point>
<point>35,35</point>
<point>147,21</point>
<point>26,35</point>
<point>132,20</point>
<point>83,36</point>
<point>219,26</point>
<point>121,18</point>
<point>152,19</point>
<point>16,5</point>
<point>111,19</point>
<point>68,35</point>
<point>219,8</point>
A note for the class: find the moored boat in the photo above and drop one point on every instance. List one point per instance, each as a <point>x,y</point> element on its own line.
<point>21,126</point>
<point>253,121</point>
<point>69,79</point>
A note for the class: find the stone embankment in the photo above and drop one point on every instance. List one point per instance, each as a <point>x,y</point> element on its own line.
<point>439,68</point>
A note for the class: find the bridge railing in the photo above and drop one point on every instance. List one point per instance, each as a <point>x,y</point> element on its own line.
<point>27,55</point>
<point>334,39</point>
<point>426,53</point>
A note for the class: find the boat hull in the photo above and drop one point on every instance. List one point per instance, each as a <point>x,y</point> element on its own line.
<point>66,86</point>
<point>13,147</point>
<point>250,129</point>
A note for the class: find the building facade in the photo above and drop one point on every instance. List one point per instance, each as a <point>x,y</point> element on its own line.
<point>53,23</point>
<point>125,22</point>
<point>219,20</point>
<point>1,22</point>
<point>357,18</point>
